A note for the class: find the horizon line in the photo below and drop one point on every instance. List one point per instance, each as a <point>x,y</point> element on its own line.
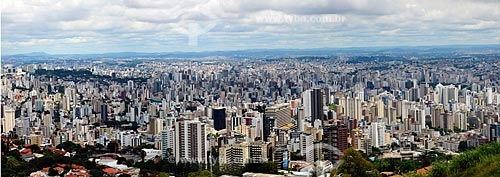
<point>264,49</point>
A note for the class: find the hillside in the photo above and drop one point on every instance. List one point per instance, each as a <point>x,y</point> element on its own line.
<point>483,161</point>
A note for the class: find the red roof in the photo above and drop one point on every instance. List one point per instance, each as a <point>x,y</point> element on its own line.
<point>57,151</point>
<point>58,169</point>
<point>26,151</point>
<point>110,171</point>
<point>423,171</point>
<point>78,174</point>
<point>79,167</point>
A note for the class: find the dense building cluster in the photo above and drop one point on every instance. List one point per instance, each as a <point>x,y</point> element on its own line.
<point>298,112</point>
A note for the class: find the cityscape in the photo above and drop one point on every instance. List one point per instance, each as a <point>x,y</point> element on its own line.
<point>199,109</point>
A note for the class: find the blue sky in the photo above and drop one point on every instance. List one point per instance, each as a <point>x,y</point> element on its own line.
<point>96,26</point>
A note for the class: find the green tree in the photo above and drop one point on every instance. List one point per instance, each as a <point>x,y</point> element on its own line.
<point>113,146</point>
<point>355,165</point>
<point>406,166</point>
<point>462,146</point>
<point>35,148</point>
<point>69,146</point>
<point>203,173</point>
<point>296,156</point>
<point>163,174</point>
<point>266,167</point>
<point>53,172</point>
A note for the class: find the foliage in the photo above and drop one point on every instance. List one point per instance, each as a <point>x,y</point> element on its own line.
<point>355,165</point>
<point>69,146</point>
<point>266,167</point>
<point>483,161</point>
<point>296,156</point>
<point>203,173</point>
<point>113,146</point>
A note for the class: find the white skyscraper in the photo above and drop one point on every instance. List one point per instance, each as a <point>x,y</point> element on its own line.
<point>306,101</point>
<point>377,134</point>
<point>489,96</point>
<point>8,122</point>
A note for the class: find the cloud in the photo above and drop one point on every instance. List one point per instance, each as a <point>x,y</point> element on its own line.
<point>390,32</point>
<point>67,26</point>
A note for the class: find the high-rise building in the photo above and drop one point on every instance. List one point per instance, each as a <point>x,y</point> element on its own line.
<point>219,117</point>
<point>39,105</point>
<point>494,132</point>
<point>8,122</point>
<point>317,104</point>
<point>167,143</point>
<point>156,126</point>
<point>335,141</point>
<point>489,96</point>
<point>300,119</point>
<point>104,112</point>
<point>280,112</point>
<point>234,154</point>
<point>377,134</point>
<point>306,101</point>
<point>258,151</point>
<point>307,147</point>
<point>190,141</point>
<point>281,157</point>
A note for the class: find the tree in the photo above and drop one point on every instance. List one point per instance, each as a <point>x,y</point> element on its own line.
<point>355,165</point>
<point>18,142</point>
<point>69,146</point>
<point>376,151</point>
<point>406,166</point>
<point>203,173</point>
<point>113,146</point>
<point>53,172</point>
<point>462,146</point>
<point>163,174</point>
<point>265,167</point>
<point>35,148</point>
<point>296,156</point>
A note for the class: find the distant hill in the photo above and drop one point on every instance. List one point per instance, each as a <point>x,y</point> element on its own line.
<point>32,54</point>
<point>357,51</point>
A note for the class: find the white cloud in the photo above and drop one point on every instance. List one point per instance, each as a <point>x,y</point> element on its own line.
<point>37,24</point>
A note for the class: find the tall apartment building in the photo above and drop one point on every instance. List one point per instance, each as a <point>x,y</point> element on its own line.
<point>307,147</point>
<point>8,122</point>
<point>335,141</point>
<point>190,141</point>
<point>167,142</point>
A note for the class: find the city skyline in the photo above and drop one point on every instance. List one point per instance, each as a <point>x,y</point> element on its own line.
<point>268,88</point>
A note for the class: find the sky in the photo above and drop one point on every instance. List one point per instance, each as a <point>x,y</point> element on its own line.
<point>102,26</point>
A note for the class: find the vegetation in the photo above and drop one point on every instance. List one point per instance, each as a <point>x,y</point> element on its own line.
<point>203,173</point>
<point>483,161</point>
<point>355,165</point>
<point>14,165</point>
